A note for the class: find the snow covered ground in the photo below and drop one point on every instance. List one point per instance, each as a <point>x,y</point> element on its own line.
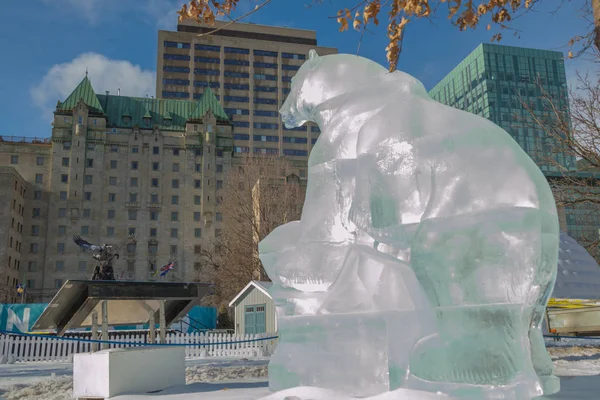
<point>577,362</point>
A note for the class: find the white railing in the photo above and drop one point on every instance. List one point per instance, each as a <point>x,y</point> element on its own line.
<point>34,348</point>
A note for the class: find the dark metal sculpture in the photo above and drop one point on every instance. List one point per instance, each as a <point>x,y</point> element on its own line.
<point>103,271</point>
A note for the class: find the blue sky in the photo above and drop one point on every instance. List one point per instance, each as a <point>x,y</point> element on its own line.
<point>47,45</point>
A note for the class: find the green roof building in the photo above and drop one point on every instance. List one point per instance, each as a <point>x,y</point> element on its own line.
<point>494,80</point>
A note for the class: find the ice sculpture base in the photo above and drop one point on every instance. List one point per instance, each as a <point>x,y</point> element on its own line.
<point>550,384</point>
<point>518,391</point>
<point>357,354</point>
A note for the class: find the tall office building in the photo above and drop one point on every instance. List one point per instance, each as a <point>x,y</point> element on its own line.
<point>250,68</point>
<point>493,81</point>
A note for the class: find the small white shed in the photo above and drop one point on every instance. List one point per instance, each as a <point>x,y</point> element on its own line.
<point>254,309</point>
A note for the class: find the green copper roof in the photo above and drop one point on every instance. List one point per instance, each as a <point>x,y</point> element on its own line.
<point>209,102</point>
<point>85,92</point>
<point>168,115</point>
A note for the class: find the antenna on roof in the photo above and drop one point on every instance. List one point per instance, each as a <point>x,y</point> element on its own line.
<point>86,72</point>
<point>107,92</point>
<point>118,91</point>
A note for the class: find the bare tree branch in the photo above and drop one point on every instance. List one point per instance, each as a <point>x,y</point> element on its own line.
<point>259,194</point>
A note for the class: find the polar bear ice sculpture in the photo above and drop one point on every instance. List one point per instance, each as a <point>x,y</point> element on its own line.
<point>426,251</point>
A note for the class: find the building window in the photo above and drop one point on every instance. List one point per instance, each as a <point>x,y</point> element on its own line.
<point>197,232</point>
<point>174,233</point>
<point>39,178</point>
<point>132,215</point>
<point>197,184</point>
<point>110,231</point>
<point>175,200</point>
<point>156,150</point>
<point>63,195</point>
<point>85,230</point>
<point>58,283</point>
<point>87,196</point>
<point>153,232</point>
<point>219,184</point>
<point>155,166</point>
<point>60,266</point>
<point>62,212</point>
<point>154,198</point>
<point>175,167</point>
<point>219,167</point>
<point>153,215</point>
<point>135,149</point>
<point>65,161</point>
<point>131,248</point>
<point>152,249</point>
<point>174,216</point>
<point>154,182</point>
<point>62,230</point>
<point>64,178</point>
<point>37,195</point>
<point>60,248</point>
<point>89,162</point>
<point>32,267</point>
<point>88,179</point>
<point>173,249</point>
<point>133,182</point>
<point>110,214</point>
<point>39,161</point>
<point>132,197</point>
<point>112,181</point>
<point>112,197</point>
<point>219,216</point>
<point>197,200</point>
<point>87,213</point>
<point>82,266</point>
<point>113,164</point>
<point>33,248</point>
<point>35,230</point>
<point>175,152</point>
<point>134,165</point>
<point>175,184</point>
<point>196,216</point>
<point>14,159</point>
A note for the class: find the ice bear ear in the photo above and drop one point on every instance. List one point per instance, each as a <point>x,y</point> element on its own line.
<point>313,58</point>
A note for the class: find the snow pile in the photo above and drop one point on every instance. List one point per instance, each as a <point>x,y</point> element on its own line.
<point>58,388</point>
<point>61,387</point>
<point>208,373</point>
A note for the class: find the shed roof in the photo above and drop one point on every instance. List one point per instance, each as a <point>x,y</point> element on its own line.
<point>260,285</point>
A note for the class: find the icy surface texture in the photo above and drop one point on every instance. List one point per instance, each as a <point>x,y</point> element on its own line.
<point>426,251</point>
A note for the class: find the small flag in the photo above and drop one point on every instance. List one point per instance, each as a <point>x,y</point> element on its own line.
<point>165,269</point>
<point>21,289</point>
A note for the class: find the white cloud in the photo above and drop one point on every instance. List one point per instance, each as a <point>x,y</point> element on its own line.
<point>104,73</point>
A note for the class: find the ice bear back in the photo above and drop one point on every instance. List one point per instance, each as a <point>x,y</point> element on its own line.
<point>418,159</point>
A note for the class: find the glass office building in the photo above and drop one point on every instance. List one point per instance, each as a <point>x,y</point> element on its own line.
<point>493,81</point>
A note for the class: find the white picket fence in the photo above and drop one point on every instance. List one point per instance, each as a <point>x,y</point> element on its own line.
<point>32,348</point>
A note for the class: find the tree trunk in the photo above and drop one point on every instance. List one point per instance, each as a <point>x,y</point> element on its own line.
<point>596,11</point>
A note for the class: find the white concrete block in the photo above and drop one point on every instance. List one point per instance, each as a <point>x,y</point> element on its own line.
<point>113,372</point>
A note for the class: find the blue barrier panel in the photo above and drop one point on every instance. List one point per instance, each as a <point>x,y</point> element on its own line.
<point>19,318</point>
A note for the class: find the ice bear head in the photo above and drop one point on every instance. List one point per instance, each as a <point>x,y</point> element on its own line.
<point>321,79</point>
